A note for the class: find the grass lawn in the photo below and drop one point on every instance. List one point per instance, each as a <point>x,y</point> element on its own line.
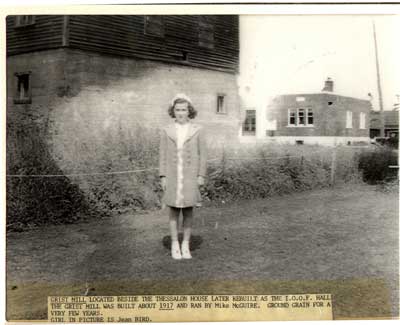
<point>342,241</point>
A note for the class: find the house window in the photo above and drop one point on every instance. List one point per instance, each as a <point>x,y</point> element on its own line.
<point>24,20</point>
<point>301,118</point>
<point>221,103</point>
<point>292,117</point>
<point>185,56</point>
<point>23,89</point>
<point>310,116</point>
<point>362,120</point>
<point>154,25</point>
<point>206,31</point>
<point>349,119</point>
<point>249,126</point>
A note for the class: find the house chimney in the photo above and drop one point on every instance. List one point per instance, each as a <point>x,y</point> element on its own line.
<point>328,85</point>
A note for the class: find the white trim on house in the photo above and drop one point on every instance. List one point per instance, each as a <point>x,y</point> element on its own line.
<point>349,119</point>
<point>362,120</point>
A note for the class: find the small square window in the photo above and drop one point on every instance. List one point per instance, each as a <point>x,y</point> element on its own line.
<point>221,103</point>
<point>24,20</point>
<point>154,25</point>
<point>23,88</point>
<point>185,56</point>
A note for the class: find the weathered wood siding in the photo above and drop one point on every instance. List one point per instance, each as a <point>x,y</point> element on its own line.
<point>124,35</point>
<point>45,33</point>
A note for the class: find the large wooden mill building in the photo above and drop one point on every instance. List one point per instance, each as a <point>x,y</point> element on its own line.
<point>87,77</point>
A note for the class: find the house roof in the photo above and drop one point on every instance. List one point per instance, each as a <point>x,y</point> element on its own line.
<point>322,93</point>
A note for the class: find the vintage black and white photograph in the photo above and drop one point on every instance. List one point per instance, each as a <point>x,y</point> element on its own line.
<point>202,154</point>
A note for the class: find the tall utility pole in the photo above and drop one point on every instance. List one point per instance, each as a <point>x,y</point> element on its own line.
<point>378,76</point>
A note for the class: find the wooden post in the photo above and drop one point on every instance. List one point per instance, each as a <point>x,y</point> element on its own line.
<point>333,166</point>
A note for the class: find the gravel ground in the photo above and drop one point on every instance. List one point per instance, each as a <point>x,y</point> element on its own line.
<point>342,241</point>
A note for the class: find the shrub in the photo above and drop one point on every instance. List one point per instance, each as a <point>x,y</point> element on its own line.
<point>270,170</point>
<point>125,150</point>
<point>375,163</point>
<point>36,201</point>
<point>235,172</point>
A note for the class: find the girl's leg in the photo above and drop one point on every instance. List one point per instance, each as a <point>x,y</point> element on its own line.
<point>173,226</point>
<point>187,222</point>
<point>187,231</point>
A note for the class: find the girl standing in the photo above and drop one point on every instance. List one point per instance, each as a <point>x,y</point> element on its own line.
<point>182,170</point>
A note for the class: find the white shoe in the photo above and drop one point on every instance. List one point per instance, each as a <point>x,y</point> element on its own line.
<point>176,251</point>
<point>185,250</point>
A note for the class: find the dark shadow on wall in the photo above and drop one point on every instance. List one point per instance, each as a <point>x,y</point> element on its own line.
<point>35,201</point>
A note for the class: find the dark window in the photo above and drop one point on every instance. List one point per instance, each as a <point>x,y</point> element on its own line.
<point>300,117</point>
<point>26,20</point>
<point>301,120</point>
<point>221,103</point>
<point>206,31</point>
<point>154,25</point>
<point>249,125</point>
<point>185,56</point>
<point>292,117</point>
<point>23,89</point>
<point>310,116</point>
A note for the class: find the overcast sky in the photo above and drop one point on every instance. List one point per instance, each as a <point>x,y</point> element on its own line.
<point>295,54</point>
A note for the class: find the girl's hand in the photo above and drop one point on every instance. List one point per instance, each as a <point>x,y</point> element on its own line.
<point>164,183</point>
<point>200,180</point>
